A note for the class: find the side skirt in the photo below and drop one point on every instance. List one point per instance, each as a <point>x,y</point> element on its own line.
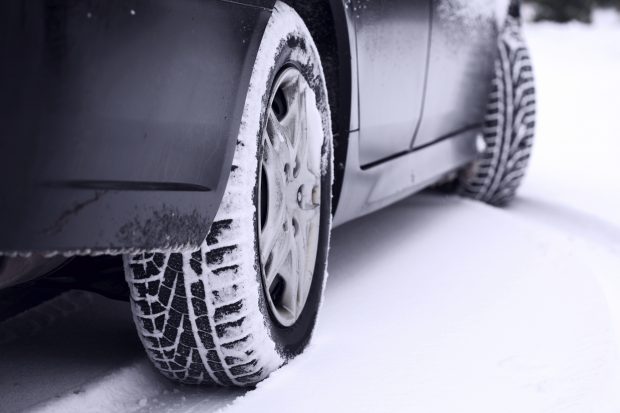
<point>370,189</point>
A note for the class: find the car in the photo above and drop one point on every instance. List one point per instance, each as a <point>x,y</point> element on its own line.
<point>214,144</point>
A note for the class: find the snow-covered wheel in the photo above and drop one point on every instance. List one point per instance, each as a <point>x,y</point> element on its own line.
<point>237,308</point>
<point>507,139</point>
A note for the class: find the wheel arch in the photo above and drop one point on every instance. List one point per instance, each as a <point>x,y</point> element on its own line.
<point>514,10</point>
<point>143,203</point>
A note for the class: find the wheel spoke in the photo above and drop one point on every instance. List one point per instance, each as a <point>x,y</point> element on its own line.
<point>290,296</point>
<point>281,140</point>
<point>277,257</point>
<point>301,131</point>
<point>276,206</point>
<point>289,121</point>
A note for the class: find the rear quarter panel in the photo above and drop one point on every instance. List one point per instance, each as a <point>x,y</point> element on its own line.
<point>119,119</point>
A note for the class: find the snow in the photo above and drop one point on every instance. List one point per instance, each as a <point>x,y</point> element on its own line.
<point>576,158</point>
<point>436,304</point>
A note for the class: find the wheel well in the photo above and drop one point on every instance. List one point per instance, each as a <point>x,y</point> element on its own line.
<point>515,8</point>
<point>326,21</point>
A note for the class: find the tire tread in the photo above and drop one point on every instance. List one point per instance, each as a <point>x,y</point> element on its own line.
<point>509,125</point>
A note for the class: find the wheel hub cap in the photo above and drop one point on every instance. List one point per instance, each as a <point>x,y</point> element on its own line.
<point>289,195</point>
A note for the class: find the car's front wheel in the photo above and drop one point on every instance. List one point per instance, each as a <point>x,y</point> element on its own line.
<point>237,308</point>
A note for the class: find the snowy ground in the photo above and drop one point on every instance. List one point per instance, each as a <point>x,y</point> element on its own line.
<point>486,310</point>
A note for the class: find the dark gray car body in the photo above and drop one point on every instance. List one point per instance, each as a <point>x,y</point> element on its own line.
<point>119,118</point>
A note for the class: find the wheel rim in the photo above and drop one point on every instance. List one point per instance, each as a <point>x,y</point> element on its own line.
<point>289,195</point>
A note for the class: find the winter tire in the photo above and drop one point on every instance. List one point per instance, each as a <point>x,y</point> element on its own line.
<point>237,308</point>
<point>508,135</point>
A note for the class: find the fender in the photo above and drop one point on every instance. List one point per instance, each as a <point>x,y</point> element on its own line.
<point>119,119</point>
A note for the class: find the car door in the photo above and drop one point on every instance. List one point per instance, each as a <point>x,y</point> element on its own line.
<point>392,50</point>
<point>461,59</point>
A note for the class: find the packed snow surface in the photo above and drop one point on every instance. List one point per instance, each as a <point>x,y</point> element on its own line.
<point>436,304</point>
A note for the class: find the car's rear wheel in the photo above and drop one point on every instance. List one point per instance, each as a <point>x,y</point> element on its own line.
<point>508,134</point>
<point>246,301</point>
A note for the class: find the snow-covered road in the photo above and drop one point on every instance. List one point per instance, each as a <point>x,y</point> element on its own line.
<point>436,304</point>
